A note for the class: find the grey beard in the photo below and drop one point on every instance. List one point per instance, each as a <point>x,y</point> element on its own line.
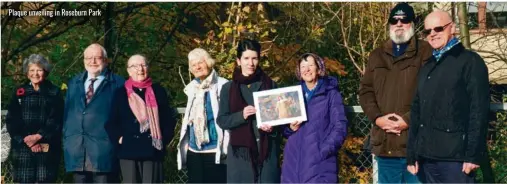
<point>404,38</point>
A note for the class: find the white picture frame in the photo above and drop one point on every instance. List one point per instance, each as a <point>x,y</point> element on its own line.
<point>279,106</point>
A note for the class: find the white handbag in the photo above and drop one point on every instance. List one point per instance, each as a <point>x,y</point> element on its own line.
<point>6,143</point>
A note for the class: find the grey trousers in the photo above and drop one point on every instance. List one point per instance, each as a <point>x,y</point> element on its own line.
<point>134,171</point>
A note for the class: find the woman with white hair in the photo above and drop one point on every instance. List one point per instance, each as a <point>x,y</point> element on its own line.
<point>141,125</point>
<point>34,121</point>
<point>203,144</point>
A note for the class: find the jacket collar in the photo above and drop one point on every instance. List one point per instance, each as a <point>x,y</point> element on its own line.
<point>328,83</point>
<point>45,88</point>
<point>454,51</point>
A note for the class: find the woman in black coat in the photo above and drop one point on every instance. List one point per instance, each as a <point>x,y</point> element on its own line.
<point>34,122</point>
<point>253,152</point>
<point>141,125</point>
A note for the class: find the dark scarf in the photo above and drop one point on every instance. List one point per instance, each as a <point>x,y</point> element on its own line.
<point>243,136</point>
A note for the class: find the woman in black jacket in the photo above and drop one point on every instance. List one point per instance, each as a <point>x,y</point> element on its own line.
<point>141,125</point>
<point>34,122</point>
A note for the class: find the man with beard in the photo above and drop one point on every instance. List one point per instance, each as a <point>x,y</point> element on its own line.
<point>450,109</point>
<point>386,92</point>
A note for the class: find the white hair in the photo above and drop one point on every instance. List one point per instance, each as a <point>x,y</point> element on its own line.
<point>404,38</point>
<point>104,53</point>
<point>137,56</point>
<point>198,54</point>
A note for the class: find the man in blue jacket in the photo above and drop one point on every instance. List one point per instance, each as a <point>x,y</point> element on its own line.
<point>447,138</point>
<point>88,153</point>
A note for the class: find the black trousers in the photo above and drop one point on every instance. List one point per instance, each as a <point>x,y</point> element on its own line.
<point>436,171</point>
<point>95,177</point>
<point>137,171</point>
<point>202,168</point>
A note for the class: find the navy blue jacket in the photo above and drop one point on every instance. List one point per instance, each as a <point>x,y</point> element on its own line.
<point>84,135</point>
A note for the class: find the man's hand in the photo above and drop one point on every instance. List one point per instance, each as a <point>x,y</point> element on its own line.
<point>401,124</point>
<point>295,126</point>
<point>413,168</point>
<point>385,123</point>
<point>469,167</point>
<point>120,140</point>
<point>266,128</point>
<point>248,110</point>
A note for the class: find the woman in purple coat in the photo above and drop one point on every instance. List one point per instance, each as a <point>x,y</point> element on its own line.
<point>310,155</point>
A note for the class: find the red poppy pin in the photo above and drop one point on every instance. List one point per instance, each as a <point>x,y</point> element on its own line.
<point>20,92</point>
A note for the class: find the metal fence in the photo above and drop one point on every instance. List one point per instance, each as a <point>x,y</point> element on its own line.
<point>359,169</point>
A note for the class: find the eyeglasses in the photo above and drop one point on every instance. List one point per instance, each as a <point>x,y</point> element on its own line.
<point>437,29</point>
<point>394,21</point>
<point>138,66</point>
<point>93,58</point>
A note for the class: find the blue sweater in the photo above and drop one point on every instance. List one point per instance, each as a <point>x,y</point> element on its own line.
<point>213,136</point>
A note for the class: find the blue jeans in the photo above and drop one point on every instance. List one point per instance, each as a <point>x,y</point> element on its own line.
<point>394,170</point>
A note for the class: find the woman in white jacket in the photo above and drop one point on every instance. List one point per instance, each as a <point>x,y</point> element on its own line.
<point>203,144</point>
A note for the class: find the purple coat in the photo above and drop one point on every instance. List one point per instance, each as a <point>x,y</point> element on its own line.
<point>310,155</point>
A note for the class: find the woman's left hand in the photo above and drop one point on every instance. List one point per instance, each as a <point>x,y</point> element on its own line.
<point>266,128</point>
<point>36,148</point>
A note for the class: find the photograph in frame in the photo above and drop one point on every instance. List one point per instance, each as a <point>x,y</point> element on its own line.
<point>279,106</point>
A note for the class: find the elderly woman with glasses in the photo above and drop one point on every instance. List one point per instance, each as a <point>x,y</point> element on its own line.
<point>34,121</point>
<point>310,155</point>
<point>141,125</point>
<point>203,144</point>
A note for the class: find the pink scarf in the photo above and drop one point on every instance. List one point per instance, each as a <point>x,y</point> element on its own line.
<point>146,113</point>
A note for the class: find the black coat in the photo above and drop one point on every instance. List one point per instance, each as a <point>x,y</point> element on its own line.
<point>136,145</point>
<point>35,112</point>
<point>449,113</point>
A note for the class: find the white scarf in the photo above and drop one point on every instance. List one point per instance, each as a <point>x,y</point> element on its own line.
<point>198,116</point>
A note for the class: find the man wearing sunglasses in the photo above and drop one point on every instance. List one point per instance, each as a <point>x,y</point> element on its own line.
<point>386,92</point>
<point>447,138</point>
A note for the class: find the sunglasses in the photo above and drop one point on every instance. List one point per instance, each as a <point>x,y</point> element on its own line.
<point>436,29</point>
<point>394,21</point>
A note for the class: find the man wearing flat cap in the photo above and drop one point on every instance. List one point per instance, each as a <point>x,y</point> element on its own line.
<point>386,92</point>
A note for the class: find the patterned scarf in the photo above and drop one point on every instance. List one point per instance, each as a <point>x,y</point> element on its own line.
<point>146,113</point>
<point>198,116</point>
<point>439,53</point>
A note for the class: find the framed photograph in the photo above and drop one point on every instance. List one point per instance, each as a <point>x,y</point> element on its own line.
<point>279,106</point>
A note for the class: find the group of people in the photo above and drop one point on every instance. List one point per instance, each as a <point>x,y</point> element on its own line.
<point>108,125</point>
<point>428,101</point>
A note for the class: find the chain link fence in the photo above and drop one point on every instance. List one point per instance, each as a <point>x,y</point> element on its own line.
<point>357,164</point>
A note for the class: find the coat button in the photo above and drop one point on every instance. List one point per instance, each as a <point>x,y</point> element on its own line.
<point>422,125</point>
<point>448,130</point>
<point>429,77</point>
<point>84,113</point>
